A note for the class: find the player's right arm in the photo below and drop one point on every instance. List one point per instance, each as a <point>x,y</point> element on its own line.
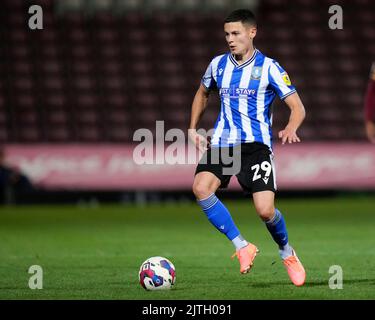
<point>370,107</point>
<point>200,101</point>
<point>370,130</point>
<point>197,109</point>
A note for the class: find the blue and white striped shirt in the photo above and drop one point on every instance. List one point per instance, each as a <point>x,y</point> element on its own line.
<point>246,93</point>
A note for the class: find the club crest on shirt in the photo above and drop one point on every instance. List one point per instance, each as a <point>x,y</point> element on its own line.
<point>256,73</point>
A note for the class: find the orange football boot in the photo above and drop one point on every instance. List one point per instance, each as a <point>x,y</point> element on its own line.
<point>295,269</point>
<point>246,256</point>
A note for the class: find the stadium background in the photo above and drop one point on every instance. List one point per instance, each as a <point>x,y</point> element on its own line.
<point>73,94</point>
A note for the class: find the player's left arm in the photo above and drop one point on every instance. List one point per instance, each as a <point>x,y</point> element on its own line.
<point>297,115</point>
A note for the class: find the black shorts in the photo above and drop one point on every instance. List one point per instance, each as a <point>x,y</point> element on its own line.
<point>251,163</point>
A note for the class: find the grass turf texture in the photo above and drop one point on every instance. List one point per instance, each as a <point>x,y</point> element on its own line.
<point>96,253</point>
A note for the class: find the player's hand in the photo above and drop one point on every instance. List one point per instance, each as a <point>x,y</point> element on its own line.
<point>288,135</point>
<point>200,141</point>
<point>370,131</point>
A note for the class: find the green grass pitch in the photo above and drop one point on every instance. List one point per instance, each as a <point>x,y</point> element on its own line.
<point>96,253</point>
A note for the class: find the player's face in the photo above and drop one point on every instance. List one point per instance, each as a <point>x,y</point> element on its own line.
<point>239,37</point>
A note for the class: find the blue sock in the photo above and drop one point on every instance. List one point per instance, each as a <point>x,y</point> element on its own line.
<point>219,216</point>
<point>276,226</point>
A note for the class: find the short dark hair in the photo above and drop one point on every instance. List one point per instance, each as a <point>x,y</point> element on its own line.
<point>243,15</point>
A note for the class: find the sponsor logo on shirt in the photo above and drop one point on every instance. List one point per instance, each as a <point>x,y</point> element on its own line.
<point>237,92</point>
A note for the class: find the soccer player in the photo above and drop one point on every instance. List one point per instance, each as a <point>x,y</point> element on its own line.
<point>247,82</point>
<point>370,106</point>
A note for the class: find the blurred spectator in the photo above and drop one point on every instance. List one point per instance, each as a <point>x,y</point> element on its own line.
<point>370,106</point>
<point>14,185</point>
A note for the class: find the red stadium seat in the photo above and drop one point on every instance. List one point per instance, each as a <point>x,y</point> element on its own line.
<point>29,133</point>
<point>59,134</point>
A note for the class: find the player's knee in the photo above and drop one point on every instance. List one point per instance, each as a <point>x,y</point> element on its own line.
<point>266,212</point>
<point>201,190</point>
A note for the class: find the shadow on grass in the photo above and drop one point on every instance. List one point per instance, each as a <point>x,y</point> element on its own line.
<point>311,283</point>
<point>345,282</point>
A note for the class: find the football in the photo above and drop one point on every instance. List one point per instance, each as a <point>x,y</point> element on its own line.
<point>157,273</point>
